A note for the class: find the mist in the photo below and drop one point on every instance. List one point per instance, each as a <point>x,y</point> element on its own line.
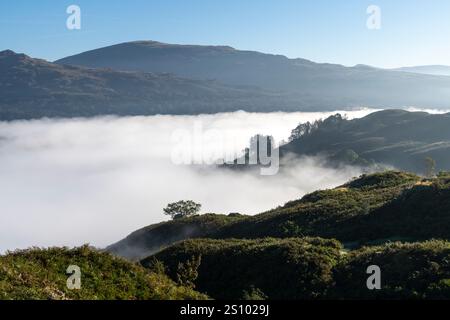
<point>69,182</point>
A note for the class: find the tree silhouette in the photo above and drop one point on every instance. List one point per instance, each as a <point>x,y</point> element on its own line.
<point>181,209</point>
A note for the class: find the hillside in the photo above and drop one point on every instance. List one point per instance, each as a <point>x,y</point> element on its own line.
<point>312,268</point>
<point>394,138</point>
<point>41,274</point>
<point>371,209</point>
<point>33,88</point>
<point>409,271</point>
<point>151,239</point>
<point>314,85</point>
<point>319,247</point>
<point>281,269</point>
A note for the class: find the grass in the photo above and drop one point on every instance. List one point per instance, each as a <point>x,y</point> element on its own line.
<point>41,274</point>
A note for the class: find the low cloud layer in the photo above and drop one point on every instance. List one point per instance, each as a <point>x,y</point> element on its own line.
<point>70,182</point>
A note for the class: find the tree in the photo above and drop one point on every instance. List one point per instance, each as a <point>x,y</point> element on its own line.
<point>181,209</point>
<point>304,129</point>
<point>430,167</point>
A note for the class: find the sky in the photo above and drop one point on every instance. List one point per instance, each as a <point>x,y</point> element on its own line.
<point>413,32</point>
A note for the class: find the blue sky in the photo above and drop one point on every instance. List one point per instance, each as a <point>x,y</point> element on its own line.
<point>414,32</point>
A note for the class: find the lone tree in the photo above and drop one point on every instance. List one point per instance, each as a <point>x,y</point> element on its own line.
<point>181,209</point>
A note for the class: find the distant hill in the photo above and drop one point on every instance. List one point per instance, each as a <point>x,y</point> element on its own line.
<point>395,138</point>
<point>313,85</point>
<point>148,78</point>
<point>41,274</point>
<point>431,70</point>
<point>34,88</point>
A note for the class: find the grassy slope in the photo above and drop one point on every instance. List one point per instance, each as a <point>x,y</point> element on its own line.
<point>378,208</point>
<point>369,210</point>
<point>41,274</point>
<point>390,205</point>
<point>374,208</point>
<point>415,271</point>
<point>151,239</point>
<point>280,268</point>
<point>314,268</point>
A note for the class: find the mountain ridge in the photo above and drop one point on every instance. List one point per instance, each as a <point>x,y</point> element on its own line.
<point>318,85</point>
<point>34,88</point>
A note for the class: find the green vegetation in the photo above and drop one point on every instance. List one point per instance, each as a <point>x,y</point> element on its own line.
<point>372,209</point>
<point>279,268</point>
<point>289,252</point>
<point>151,239</point>
<point>41,274</point>
<point>306,268</point>
<point>359,211</point>
<point>409,271</point>
<point>317,247</point>
<point>182,209</point>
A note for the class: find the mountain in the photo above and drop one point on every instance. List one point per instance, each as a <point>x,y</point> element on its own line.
<point>40,274</point>
<point>148,78</point>
<point>34,88</point>
<point>436,70</point>
<point>313,85</point>
<point>395,138</point>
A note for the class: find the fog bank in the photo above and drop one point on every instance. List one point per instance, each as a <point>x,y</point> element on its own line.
<point>75,181</point>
